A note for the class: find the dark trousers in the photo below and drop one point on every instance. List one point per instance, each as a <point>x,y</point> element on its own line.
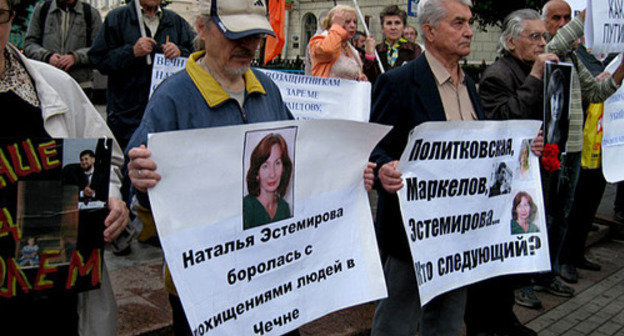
<point>180,323</point>
<point>559,191</point>
<point>589,190</point>
<point>56,314</point>
<point>618,204</point>
<point>489,306</point>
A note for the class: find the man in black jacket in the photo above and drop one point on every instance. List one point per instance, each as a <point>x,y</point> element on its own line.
<point>431,88</point>
<point>511,88</point>
<point>120,52</point>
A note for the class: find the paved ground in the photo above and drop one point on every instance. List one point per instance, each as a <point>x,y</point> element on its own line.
<point>597,309</point>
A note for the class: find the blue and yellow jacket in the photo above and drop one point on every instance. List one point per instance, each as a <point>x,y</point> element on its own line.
<point>193,99</point>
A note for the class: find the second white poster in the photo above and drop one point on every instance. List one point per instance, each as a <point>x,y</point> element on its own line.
<point>472,203</point>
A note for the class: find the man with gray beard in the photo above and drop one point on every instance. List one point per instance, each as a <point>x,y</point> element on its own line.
<point>217,88</point>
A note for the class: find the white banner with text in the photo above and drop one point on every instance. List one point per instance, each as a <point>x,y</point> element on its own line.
<point>604,27</point>
<point>472,203</point>
<point>267,226</point>
<point>613,132</point>
<point>163,68</point>
<point>310,97</point>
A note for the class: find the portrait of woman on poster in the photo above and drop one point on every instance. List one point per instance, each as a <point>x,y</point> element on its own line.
<point>523,164</point>
<point>523,214</point>
<point>267,179</point>
<point>557,130</point>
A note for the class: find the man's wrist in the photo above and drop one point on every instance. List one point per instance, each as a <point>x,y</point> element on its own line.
<point>76,58</point>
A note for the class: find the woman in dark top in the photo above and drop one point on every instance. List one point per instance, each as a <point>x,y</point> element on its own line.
<point>267,181</point>
<point>394,50</point>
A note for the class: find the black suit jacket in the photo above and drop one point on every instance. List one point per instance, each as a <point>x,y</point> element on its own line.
<point>404,98</point>
<point>509,92</point>
<point>74,175</point>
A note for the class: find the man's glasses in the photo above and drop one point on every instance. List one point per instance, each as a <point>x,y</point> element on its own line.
<point>536,37</point>
<point>6,15</point>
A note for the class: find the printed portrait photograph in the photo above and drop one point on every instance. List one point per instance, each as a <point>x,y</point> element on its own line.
<point>523,214</point>
<point>268,181</point>
<point>558,79</point>
<point>501,179</point>
<point>524,164</point>
<point>86,165</point>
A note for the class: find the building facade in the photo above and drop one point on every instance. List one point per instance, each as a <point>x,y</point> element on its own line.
<point>304,18</point>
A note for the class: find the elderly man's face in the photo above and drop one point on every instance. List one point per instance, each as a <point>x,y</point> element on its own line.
<point>453,35</point>
<point>410,34</point>
<point>233,56</point>
<point>360,42</point>
<point>559,14</point>
<point>530,43</point>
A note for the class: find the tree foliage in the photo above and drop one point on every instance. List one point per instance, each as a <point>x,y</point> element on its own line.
<point>23,11</point>
<point>493,12</point>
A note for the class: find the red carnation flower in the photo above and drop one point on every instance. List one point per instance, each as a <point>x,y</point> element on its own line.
<point>550,157</point>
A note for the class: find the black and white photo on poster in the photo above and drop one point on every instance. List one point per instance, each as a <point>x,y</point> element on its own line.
<point>557,97</point>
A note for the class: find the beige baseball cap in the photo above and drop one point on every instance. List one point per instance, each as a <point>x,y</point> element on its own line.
<point>238,18</point>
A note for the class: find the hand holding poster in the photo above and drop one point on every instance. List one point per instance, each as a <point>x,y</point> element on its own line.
<point>472,203</point>
<point>165,67</point>
<point>604,26</point>
<point>272,224</point>
<point>310,97</point>
<point>48,244</point>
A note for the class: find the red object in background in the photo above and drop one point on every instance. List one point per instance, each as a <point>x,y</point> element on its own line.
<point>550,157</point>
<point>277,15</point>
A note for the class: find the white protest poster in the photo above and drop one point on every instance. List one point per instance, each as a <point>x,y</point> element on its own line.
<point>472,203</point>
<point>310,97</point>
<point>163,68</point>
<point>238,272</point>
<point>577,6</point>
<point>613,133</point>
<point>604,26</point>
<point>613,138</point>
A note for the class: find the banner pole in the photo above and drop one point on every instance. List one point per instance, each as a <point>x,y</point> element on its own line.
<point>357,8</point>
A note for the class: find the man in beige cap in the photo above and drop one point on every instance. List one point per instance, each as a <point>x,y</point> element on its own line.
<point>217,88</point>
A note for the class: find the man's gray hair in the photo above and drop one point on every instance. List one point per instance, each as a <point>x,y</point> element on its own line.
<point>198,43</point>
<point>513,26</point>
<point>432,11</point>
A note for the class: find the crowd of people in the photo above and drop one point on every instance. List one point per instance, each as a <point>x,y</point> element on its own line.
<point>47,89</point>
